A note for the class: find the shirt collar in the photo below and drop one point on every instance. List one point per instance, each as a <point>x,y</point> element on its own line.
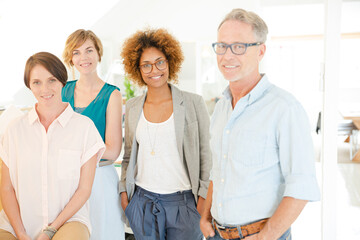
<point>255,93</point>
<point>259,89</point>
<point>33,116</point>
<point>63,119</point>
<point>227,93</point>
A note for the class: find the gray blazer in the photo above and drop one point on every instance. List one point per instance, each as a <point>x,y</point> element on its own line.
<point>192,136</point>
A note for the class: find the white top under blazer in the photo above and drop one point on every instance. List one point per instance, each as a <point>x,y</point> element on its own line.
<point>163,171</point>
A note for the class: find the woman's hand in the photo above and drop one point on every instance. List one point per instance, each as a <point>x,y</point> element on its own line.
<point>23,236</point>
<point>124,200</point>
<point>43,236</point>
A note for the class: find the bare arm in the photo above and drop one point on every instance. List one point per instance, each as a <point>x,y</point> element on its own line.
<point>200,205</point>
<point>113,132</point>
<point>206,218</point>
<point>11,205</point>
<point>124,200</point>
<point>287,212</point>
<point>81,194</point>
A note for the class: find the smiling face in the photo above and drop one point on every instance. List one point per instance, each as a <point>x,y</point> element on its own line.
<point>156,78</point>
<point>85,58</point>
<point>45,87</point>
<point>239,67</point>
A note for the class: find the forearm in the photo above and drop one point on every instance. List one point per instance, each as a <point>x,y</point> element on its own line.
<point>113,132</point>
<point>206,218</point>
<point>200,205</point>
<point>12,210</point>
<point>207,204</point>
<point>286,213</point>
<point>112,152</point>
<point>124,200</point>
<point>74,205</point>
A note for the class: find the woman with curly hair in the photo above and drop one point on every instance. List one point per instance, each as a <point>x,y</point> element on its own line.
<point>165,169</point>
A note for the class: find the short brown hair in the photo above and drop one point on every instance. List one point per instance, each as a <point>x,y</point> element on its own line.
<point>75,40</point>
<point>258,25</point>
<point>49,61</point>
<point>160,39</point>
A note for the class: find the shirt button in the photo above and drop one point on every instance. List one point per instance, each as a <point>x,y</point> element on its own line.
<point>220,205</point>
<point>224,155</point>
<point>222,180</point>
<point>227,131</point>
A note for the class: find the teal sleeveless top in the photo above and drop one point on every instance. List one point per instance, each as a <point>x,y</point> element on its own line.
<point>96,110</point>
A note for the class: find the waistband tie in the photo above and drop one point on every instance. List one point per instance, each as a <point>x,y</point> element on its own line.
<point>154,212</point>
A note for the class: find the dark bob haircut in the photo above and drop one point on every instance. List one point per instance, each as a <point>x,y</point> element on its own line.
<point>48,61</point>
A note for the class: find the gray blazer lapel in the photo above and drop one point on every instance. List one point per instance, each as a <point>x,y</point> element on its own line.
<point>134,114</point>
<point>179,117</point>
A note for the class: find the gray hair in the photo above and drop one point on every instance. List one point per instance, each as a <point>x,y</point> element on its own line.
<point>258,25</point>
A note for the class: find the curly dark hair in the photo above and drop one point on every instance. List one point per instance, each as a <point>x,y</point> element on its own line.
<point>161,39</point>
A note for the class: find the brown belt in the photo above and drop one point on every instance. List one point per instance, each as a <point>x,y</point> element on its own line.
<point>246,230</point>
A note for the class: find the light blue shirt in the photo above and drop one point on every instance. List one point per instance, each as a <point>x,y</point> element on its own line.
<point>262,151</point>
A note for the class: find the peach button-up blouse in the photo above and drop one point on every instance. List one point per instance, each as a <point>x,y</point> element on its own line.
<point>45,166</point>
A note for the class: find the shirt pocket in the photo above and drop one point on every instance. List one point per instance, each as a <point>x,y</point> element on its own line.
<point>68,163</point>
<point>251,147</point>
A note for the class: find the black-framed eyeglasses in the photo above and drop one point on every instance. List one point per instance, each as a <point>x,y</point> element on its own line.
<point>236,48</point>
<point>148,67</point>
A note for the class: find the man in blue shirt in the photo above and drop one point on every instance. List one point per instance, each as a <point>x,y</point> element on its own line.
<point>263,160</point>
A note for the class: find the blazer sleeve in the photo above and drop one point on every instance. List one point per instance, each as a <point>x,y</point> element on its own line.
<point>204,144</point>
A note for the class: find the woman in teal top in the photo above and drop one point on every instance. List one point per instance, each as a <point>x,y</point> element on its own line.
<point>102,103</point>
<point>96,110</point>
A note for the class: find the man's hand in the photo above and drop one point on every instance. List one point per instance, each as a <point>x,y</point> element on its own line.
<point>206,227</point>
<point>253,237</point>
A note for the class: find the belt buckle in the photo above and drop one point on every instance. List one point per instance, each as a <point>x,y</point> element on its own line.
<point>222,229</point>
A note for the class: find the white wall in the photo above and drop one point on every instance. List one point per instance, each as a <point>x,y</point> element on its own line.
<point>41,25</point>
<point>189,21</point>
<point>27,27</point>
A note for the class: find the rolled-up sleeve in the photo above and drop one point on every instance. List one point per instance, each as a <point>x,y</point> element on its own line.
<point>4,148</point>
<point>296,153</point>
<point>205,152</point>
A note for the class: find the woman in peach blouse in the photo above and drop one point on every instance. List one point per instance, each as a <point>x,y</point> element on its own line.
<point>49,158</point>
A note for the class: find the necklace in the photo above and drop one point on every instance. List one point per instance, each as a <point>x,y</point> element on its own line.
<point>152,144</point>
